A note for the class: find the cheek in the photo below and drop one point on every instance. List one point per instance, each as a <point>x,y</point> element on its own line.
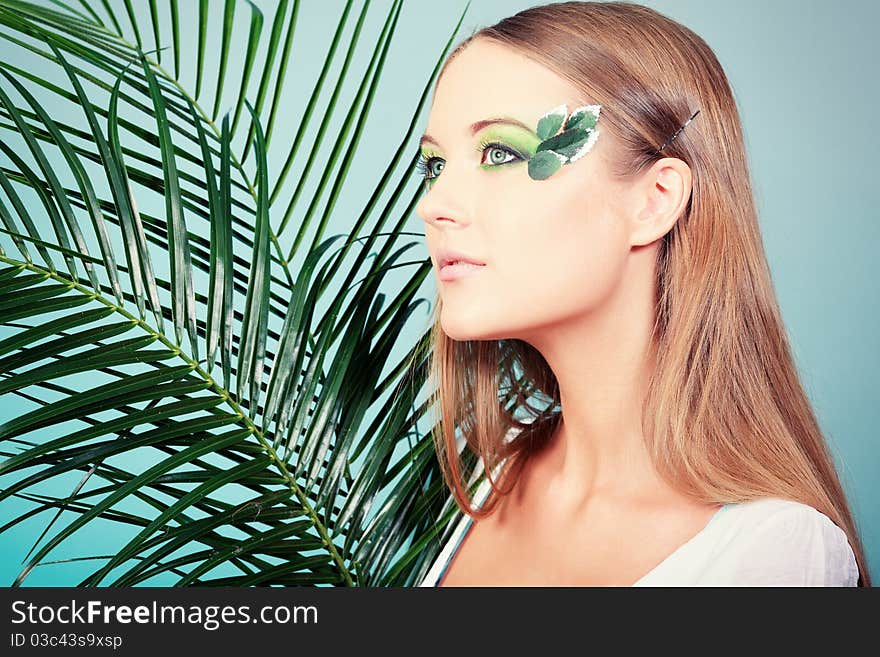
<point>563,261</point>
<point>570,242</point>
<point>552,257</point>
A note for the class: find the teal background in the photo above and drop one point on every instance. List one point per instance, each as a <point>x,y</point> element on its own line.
<point>804,80</point>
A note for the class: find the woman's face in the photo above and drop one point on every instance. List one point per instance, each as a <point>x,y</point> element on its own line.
<point>553,249</point>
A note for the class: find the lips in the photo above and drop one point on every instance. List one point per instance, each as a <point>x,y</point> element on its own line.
<point>452,265</point>
<point>459,270</point>
<point>449,257</point>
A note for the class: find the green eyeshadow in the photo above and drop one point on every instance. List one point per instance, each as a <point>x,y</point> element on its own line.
<point>560,138</point>
<point>522,141</point>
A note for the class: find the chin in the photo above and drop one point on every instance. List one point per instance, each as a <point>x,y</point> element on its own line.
<point>459,331</point>
<point>468,328</point>
<point>459,326</point>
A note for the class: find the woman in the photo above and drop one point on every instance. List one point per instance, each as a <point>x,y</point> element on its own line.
<point>609,343</point>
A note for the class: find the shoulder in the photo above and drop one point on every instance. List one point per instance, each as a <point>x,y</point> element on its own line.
<point>772,541</point>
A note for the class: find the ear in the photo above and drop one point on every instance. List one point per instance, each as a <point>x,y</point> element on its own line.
<point>659,196</point>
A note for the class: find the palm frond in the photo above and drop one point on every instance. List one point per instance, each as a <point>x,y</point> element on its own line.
<point>243,399</point>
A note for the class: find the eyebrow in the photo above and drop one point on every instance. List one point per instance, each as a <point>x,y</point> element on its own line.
<point>479,125</point>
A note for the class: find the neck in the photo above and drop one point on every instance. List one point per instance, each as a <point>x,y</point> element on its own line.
<point>602,361</point>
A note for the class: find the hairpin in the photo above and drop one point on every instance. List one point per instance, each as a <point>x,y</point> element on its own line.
<point>676,133</point>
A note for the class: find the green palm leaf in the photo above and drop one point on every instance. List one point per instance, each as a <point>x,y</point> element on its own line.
<point>272,436</point>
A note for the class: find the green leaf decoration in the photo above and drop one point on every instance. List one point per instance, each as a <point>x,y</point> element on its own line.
<point>584,117</point>
<point>581,148</point>
<point>565,141</point>
<point>549,124</point>
<point>566,147</point>
<point>544,164</point>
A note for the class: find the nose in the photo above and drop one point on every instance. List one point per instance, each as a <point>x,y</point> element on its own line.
<point>448,201</point>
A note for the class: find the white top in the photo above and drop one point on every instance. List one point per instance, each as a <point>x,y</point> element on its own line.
<point>765,542</point>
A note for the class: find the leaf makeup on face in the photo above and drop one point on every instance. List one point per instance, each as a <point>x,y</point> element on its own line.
<point>579,134</point>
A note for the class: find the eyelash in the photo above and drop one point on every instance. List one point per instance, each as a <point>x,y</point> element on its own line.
<point>422,164</point>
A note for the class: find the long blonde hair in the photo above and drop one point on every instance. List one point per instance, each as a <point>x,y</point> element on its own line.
<point>725,417</point>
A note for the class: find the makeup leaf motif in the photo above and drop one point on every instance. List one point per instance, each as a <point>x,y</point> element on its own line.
<point>549,124</point>
<point>585,146</point>
<point>544,164</point>
<point>565,143</point>
<point>584,117</point>
<point>576,139</point>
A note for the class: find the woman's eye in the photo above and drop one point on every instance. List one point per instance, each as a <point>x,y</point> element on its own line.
<point>434,167</point>
<point>429,167</point>
<point>493,154</point>
<point>498,154</point>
